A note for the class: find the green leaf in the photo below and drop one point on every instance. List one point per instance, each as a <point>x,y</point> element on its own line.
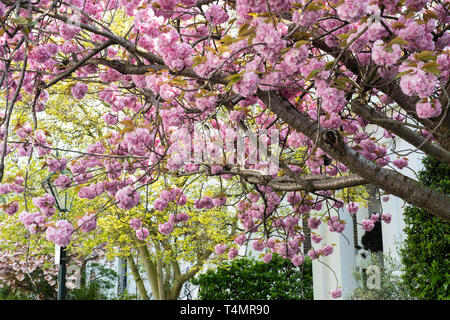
<point>404,73</point>
<point>199,60</point>
<point>250,38</point>
<point>432,67</point>
<point>315,6</point>
<point>329,65</point>
<point>243,28</point>
<point>398,41</point>
<point>233,79</point>
<point>430,14</point>
<point>425,56</point>
<point>313,73</point>
<point>300,43</point>
<point>227,40</point>
<point>20,21</point>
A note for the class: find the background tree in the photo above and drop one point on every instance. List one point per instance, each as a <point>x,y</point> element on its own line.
<point>26,276</point>
<point>165,248</point>
<point>252,279</point>
<point>425,251</point>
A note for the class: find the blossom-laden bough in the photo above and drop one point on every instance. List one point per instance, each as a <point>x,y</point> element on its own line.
<point>322,89</point>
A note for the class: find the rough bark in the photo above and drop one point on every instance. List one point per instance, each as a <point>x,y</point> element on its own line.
<point>150,269</point>
<point>373,116</point>
<point>331,142</point>
<point>393,90</point>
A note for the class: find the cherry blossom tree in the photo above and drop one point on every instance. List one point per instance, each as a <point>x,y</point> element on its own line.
<point>31,275</point>
<point>322,90</point>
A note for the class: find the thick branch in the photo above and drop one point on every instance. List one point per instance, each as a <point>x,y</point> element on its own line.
<point>393,90</point>
<point>137,278</point>
<point>150,268</point>
<point>331,142</point>
<point>182,278</point>
<point>285,183</point>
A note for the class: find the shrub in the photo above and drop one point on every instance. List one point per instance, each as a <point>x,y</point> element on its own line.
<point>252,279</point>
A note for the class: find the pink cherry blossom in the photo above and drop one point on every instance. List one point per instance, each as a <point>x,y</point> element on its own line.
<point>79,90</point>
<point>326,250</point>
<point>267,257</point>
<point>182,217</point>
<point>62,181</point>
<point>216,14</point>
<point>46,204</point>
<point>240,240</point>
<point>337,293</point>
<point>142,233</point>
<point>127,198</point>
<point>60,234</point>
<point>367,224</point>
<point>166,228</point>
<point>88,222</point>
<point>220,248</point>
<point>232,253</point>
<point>382,57</point>
<point>135,223</point>
<point>427,110</point>
<point>352,208</point>
<point>297,260</point>
<point>5,188</point>
<point>11,208</point>
<point>352,10</point>
<point>418,81</point>
<point>314,223</point>
<point>56,165</point>
<point>386,217</point>
<point>400,163</point>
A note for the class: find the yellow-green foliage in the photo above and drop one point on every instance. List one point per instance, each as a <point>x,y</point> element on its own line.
<point>204,230</point>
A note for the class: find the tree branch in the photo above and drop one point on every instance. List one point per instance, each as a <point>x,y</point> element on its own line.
<point>331,142</point>
<point>373,116</point>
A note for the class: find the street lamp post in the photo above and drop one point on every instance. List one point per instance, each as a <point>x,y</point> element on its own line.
<point>63,204</point>
<point>62,272</point>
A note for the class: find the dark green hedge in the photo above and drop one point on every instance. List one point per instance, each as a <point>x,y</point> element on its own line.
<point>252,279</point>
<point>426,249</point>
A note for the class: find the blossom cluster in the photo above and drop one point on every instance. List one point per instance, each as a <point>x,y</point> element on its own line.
<point>167,227</point>
<point>46,204</point>
<point>166,196</point>
<point>88,222</point>
<point>61,233</point>
<point>127,198</point>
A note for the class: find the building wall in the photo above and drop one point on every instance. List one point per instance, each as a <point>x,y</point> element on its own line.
<point>336,269</point>
<point>345,257</point>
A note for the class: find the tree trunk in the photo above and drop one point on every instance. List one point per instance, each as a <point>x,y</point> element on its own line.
<point>150,269</point>
<point>137,278</point>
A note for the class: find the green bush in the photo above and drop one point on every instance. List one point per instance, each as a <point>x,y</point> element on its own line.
<point>6,293</point>
<point>252,279</point>
<point>426,248</point>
